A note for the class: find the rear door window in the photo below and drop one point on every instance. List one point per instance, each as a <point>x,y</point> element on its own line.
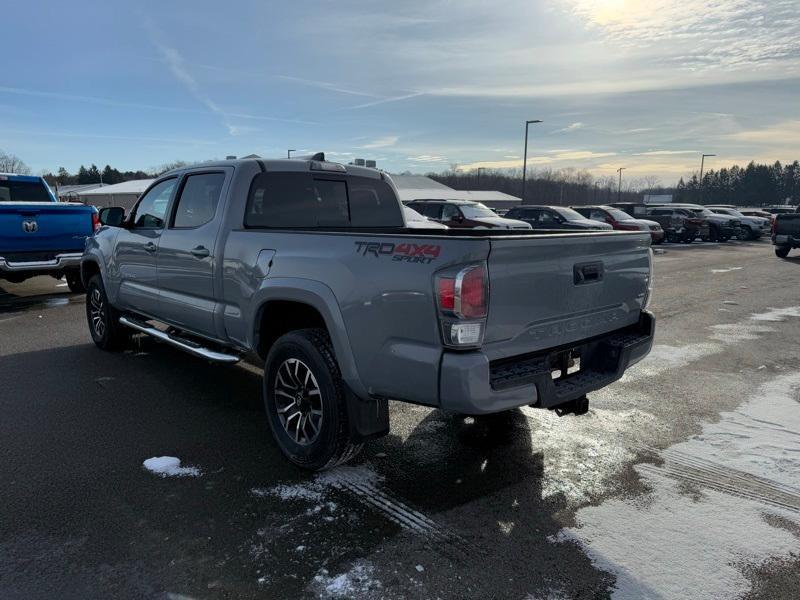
<point>198,201</point>
<point>450,212</point>
<point>548,219</point>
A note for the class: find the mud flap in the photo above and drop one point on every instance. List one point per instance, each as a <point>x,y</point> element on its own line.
<point>369,419</point>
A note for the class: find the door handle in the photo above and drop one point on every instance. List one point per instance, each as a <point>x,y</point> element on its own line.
<point>150,247</point>
<point>200,252</point>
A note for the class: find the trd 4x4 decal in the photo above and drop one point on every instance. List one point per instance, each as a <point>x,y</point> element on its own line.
<point>413,253</point>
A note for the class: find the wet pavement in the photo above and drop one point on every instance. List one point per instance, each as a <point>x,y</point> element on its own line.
<point>681,482</point>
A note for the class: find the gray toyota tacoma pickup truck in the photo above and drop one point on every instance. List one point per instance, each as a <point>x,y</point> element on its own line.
<point>310,265</point>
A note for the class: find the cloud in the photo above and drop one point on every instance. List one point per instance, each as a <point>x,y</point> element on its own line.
<point>665,152</point>
<point>786,133</point>
<point>571,127</point>
<point>387,100</point>
<point>699,35</point>
<point>383,142</point>
<point>426,158</point>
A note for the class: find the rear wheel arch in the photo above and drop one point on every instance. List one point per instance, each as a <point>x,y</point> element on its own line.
<point>275,318</point>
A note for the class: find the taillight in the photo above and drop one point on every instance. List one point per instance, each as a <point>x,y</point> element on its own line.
<point>470,301</point>
<point>774,225</point>
<point>95,221</point>
<point>463,300</point>
<point>447,293</point>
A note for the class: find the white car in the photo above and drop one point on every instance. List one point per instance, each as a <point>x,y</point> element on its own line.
<point>753,227</point>
<point>414,220</point>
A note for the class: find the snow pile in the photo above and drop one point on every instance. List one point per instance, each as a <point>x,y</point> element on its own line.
<point>675,545</point>
<point>728,270</point>
<point>355,583</point>
<point>169,466</point>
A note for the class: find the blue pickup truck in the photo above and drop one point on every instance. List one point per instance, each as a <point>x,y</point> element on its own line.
<point>38,234</point>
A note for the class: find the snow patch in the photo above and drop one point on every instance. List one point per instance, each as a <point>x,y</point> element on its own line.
<point>728,270</point>
<point>732,333</point>
<point>579,464</point>
<point>674,545</point>
<point>169,466</point>
<point>664,358</point>
<point>299,491</point>
<point>776,315</point>
<point>356,582</point>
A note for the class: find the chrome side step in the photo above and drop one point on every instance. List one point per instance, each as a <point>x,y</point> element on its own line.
<point>184,345</point>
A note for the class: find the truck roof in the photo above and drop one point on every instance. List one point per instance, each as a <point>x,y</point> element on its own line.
<point>315,162</point>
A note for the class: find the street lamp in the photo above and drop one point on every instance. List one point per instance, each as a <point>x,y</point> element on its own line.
<point>289,153</point>
<point>525,159</point>
<point>619,188</point>
<point>702,164</point>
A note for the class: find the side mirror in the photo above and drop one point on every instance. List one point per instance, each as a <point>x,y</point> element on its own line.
<point>113,216</point>
<point>459,218</point>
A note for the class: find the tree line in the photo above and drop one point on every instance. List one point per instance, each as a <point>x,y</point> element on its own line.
<point>753,185</point>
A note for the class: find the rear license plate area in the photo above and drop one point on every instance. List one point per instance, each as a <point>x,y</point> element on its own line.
<point>564,364</point>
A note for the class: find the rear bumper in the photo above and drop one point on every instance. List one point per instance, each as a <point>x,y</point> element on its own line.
<point>782,239</point>
<point>58,263</point>
<point>470,384</point>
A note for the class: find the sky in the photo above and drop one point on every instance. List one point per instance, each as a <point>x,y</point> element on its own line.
<point>648,85</point>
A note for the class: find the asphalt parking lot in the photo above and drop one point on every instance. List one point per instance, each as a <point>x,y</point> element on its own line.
<point>682,481</point>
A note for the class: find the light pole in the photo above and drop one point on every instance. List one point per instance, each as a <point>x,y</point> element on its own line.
<point>703,164</point>
<point>289,153</point>
<point>619,188</point>
<point>525,159</point>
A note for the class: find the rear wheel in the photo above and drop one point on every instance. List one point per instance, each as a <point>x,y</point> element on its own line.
<point>103,319</point>
<point>305,401</point>
<point>746,233</point>
<point>74,282</point>
<point>782,251</point>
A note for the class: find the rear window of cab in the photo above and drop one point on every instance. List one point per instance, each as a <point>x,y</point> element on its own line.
<point>306,200</point>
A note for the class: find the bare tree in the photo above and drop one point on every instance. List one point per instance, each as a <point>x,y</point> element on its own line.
<point>10,163</point>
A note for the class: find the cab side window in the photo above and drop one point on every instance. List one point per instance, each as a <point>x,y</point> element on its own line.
<point>548,219</point>
<point>152,207</point>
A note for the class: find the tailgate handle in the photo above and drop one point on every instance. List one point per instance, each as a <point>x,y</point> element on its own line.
<point>587,273</point>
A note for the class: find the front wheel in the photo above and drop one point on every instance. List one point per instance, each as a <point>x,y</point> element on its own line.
<point>103,319</point>
<point>304,399</point>
<point>782,251</point>
<point>74,282</point>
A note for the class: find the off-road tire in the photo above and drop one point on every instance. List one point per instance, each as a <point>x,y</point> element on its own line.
<point>74,282</point>
<point>112,335</point>
<point>332,445</point>
<point>782,251</point>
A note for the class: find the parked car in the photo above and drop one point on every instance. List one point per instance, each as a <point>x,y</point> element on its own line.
<point>38,234</point>
<point>622,221</point>
<point>756,212</point>
<point>464,214</point>
<point>311,265</point>
<point>786,233</point>
<point>679,224</point>
<point>721,228</point>
<point>556,218</point>
<point>414,220</point>
<point>778,210</point>
<point>751,228</point>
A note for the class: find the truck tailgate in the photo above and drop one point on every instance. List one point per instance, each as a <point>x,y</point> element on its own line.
<point>788,224</point>
<point>43,227</point>
<point>552,290</point>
